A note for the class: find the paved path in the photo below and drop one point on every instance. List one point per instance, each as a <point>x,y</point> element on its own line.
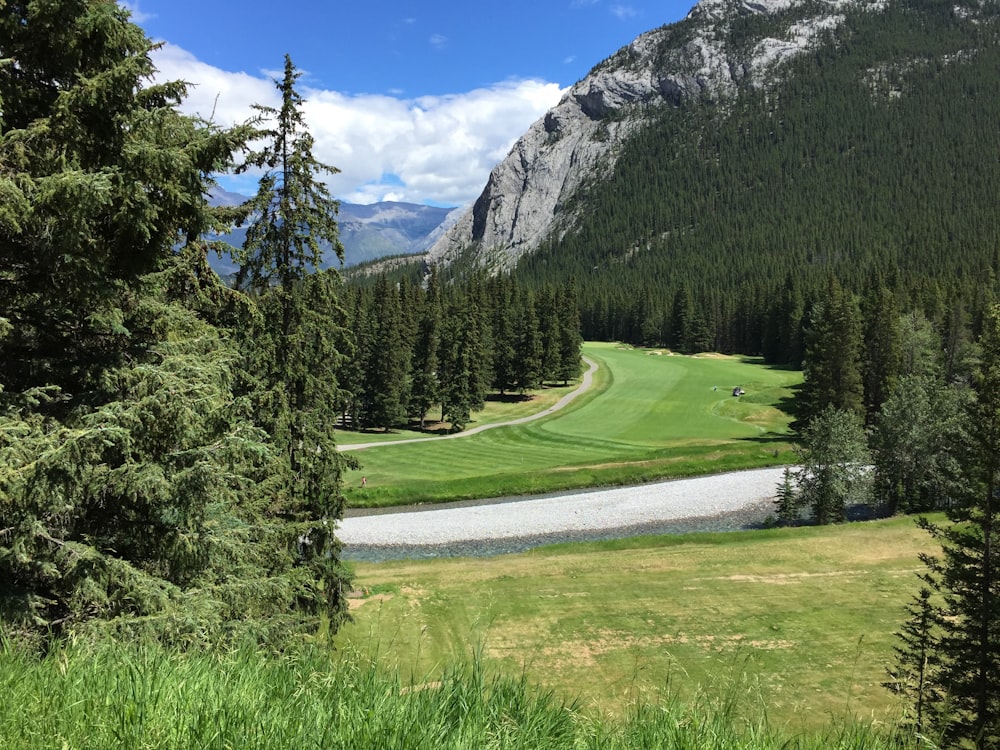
<point>585,383</point>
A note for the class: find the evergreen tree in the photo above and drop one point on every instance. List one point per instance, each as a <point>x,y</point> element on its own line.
<point>479,342</point>
<point>784,328</point>
<point>966,573</point>
<point>955,339</point>
<point>132,480</point>
<point>833,357</point>
<point>99,176</point>
<point>550,330</point>
<point>291,353</point>
<point>527,344</point>
<point>881,353</point>
<point>351,375</point>
<point>424,387</point>
<point>388,368</point>
<point>915,672</point>
<point>292,214</point>
<point>457,351</point>
<point>504,351</point>
<point>570,338</point>
<point>787,503</point>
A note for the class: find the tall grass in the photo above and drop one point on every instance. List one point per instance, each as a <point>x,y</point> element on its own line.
<point>142,696</point>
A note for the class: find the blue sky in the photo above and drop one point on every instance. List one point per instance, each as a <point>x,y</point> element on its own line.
<point>413,101</point>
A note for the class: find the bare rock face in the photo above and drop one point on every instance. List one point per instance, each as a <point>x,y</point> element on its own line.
<point>528,196</point>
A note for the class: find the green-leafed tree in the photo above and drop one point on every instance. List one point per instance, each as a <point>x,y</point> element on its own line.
<point>549,328</point>
<point>501,307</point>
<point>292,214</point>
<point>783,332</point>
<point>463,374</point>
<point>915,671</point>
<point>835,471</point>
<point>966,573</point>
<point>915,444</point>
<point>919,346</point>
<point>786,502</point>
<point>99,176</point>
<point>570,337</point>
<point>351,374</point>
<point>145,515</point>
<point>881,349</point>
<point>527,343</point>
<point>291,352</point>
<point>691,333</point>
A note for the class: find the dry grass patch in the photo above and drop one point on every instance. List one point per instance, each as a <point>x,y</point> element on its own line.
<point>808,613</point>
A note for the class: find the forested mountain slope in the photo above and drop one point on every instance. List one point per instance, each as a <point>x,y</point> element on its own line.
<point>856,140</point>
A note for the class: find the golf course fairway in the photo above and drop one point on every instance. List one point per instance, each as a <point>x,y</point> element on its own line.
<point>648,414</point>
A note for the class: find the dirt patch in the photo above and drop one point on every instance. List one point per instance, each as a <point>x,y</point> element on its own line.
<point>783,578</point>
<point>354,603</point>
<point>413,595</point>
<point>585,652</point>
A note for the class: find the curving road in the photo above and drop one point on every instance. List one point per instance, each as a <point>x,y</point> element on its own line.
<point>585,383</point>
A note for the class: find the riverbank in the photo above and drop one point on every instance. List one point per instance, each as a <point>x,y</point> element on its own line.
<point>720,502</point>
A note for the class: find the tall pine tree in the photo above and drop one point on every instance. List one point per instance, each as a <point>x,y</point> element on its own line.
<point>832,357</point>
<point>292,351</point>
<point>967,575</point>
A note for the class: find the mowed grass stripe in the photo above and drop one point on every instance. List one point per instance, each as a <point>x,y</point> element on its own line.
<point>648,415</point>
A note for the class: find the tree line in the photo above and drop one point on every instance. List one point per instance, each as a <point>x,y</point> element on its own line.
<point>419,346</point>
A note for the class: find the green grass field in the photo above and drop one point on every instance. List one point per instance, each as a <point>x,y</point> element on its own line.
<point>648,415</point>
<point>798,622</point>
<point>139,695</point>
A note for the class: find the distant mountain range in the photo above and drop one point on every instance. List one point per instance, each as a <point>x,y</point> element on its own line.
<point>368,232</point>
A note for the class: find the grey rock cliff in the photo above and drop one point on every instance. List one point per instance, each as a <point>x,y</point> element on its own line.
<point>528,196</point>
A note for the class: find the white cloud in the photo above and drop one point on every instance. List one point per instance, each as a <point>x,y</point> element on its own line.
<point>132,6</point>
<point>434,149</point>
<point>624,11</point>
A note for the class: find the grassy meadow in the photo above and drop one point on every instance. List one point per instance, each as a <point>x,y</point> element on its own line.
<point>798,623</point>
<point>747,640</point>
<point>648,415</point>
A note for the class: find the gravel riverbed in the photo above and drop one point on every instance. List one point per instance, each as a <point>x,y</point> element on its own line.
<point>721,502</point>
